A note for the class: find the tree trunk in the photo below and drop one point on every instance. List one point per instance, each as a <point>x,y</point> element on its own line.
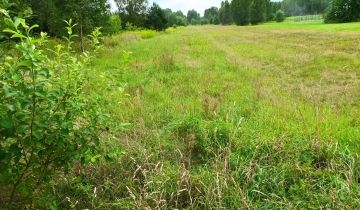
<point>81,35</point>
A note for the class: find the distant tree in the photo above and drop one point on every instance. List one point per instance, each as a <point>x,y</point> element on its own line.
<point>132,11</point>
<point>167,12</point>
<point>225,17</point>
<point>181,18</point>
<point>342,11</point>
<point>241,11</point>
<point>175,18</point>
<point>193,16</point>
<point>258,11</point>
<point>156,18</point>
<point>212,14</point>
<point>280,16</point>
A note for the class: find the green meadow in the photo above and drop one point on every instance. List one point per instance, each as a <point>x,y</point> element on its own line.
<point>226,117</point>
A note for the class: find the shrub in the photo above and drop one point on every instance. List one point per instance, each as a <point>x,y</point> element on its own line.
<point>195,22</point>
<point>280,16</point>
<point>167,62</point>
<point>46,122</point>
<point>205,21</point>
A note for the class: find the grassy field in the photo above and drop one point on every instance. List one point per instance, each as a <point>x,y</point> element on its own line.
<point>226,117</point>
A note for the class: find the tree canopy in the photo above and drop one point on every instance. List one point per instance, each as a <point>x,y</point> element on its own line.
<point>212,15</point>
<point>225,15</point>
<point>175,18</point>
<point>132,11</point>
<point>241,11</point>
<point>343,11</point>
<point>258,11</point>
<point>49,14</point>
<point>156,18</point>
<point>193,16</point>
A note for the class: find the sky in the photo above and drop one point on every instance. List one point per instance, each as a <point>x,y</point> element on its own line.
<point>183,5</point>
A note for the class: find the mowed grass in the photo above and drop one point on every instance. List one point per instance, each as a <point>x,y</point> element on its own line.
<point>226,117</point>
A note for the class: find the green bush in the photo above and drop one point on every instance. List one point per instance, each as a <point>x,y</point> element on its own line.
<point>279,16</point>
<point>46,121</point>
<point>195,22</point>
<point>205,21</point>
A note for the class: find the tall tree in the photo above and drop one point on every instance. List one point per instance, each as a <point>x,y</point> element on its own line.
<point>156,18</point>
<point>193,16</point>
<point>241,11</point>
<point>175,18</point>
<point>132,11</point>
<point>342,11</point>
<point>225,16</point>
<point>212,14</point>
<point>258,11</point>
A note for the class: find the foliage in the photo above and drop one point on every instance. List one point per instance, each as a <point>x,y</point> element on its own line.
<point>342,11</point>
<point>175,18</point>
<point>147,34</point>
<point>279,16</point>
<point>114,25</point>
<point>193,17</point>
<point>241,11</point>
<point>49,14</point>
<point>212,15</point>
<point>11,8</point>
<point>47,123</point>
<point>257,12</point>
<point>204,21</point>
<point>225,15</point>
<point>155,18</point>
<point>132,11</point>
<point>131,27</point>
<point>195,21</point>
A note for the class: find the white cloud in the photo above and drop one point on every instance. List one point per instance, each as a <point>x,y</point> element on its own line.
<point>183,5</point>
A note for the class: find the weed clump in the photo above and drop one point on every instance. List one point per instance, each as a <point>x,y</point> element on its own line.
<point>166,62</point>
<point>147,34</point>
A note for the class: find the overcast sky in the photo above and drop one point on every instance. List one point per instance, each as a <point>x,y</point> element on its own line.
<point>184,5</point>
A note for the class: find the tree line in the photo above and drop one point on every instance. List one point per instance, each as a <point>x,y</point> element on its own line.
<point>245,12</point>
<point>89,14</point>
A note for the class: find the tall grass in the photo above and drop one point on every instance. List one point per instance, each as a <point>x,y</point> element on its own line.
<point>225,118</point>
